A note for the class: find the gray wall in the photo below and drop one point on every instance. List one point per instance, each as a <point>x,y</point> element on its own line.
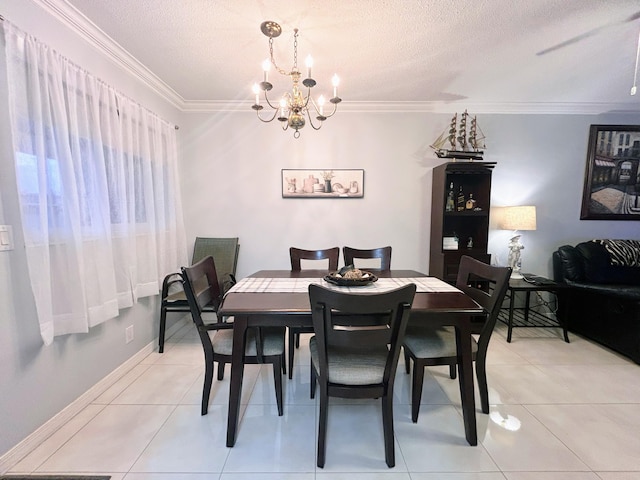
<point>230,178</point>
<point>231,183</point>
<point>36,382</point>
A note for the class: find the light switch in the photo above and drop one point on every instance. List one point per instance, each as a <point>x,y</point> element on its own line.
<point>6,237</point>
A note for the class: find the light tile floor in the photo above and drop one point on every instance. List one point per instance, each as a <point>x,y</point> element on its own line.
<point>558,412</point>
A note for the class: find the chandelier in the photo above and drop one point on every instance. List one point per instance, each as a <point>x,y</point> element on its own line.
<point>294,105</point>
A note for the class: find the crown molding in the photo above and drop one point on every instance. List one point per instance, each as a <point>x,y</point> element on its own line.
<point>86,29</point>
<point>505,108</point>
<point>82,26</point>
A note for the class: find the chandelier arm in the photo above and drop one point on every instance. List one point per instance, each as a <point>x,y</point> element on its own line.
<point>311,121</point>
<point>308,97</point>
<point>335,107</point>
<point>269,120</point>
<point>275,107</point>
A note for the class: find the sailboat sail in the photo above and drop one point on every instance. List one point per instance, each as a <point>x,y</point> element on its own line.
<point>461,145</point>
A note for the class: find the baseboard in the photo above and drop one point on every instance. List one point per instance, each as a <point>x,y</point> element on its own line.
<point>27,445</point>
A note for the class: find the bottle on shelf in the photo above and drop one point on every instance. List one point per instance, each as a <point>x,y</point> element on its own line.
<point>450,205</point>
<point>471,203</point>
<point>460,200</point>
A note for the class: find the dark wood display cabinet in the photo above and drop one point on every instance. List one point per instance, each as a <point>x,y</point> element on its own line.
<point>459,218</point>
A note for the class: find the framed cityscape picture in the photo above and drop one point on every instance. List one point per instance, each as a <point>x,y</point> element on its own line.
<point>612,176</point>
<point>327,183</point>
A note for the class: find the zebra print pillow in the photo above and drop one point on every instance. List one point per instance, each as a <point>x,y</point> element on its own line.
<point>623,253</point>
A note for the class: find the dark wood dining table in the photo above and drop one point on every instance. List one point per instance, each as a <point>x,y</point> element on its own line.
<point>292,308</point>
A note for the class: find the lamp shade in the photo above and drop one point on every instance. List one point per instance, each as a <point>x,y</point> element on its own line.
<point>518,218</point>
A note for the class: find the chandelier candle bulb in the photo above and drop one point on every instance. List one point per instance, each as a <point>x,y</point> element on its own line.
<point>256,91</point>
<point>283,105</point>
<point>335,81</point>
<point>309,63</point>
<point>266,66</point>
<point>321,105</point>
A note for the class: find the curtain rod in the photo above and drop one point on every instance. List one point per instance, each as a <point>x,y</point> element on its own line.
<point>2,20</point>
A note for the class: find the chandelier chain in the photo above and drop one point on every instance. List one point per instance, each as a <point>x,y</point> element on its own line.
<point>295,50</point>
<point>273,60</point>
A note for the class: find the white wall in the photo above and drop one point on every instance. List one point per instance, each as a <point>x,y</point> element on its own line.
<point>231,183</point>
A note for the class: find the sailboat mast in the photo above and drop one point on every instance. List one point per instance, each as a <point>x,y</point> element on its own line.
<point>452,131</point>
<point>462,132</point>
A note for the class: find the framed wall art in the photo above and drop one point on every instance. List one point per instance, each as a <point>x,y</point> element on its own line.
<point>327,183</point>
<point>612,175</point>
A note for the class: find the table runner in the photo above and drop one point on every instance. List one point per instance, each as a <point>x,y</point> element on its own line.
<point>301,285</point>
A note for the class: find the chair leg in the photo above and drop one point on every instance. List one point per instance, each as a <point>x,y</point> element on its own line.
<point>481,375</point>
<point>208,380</point>
<point>407,361</point>
<point>277,378</point>
<point>452,371</point>
<point>322,426</point>
<point>313,381</point>
<point>221,371</point>
<point>416,390</point>
<point>283,362</point>
<point>297,335</point>
<point>163,326</point>
<point>291,352</point>
<point>387,425</point>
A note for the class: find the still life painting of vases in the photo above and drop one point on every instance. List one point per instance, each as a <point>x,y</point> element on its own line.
<point>335,183</point>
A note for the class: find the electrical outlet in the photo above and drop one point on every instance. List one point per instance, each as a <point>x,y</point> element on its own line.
<point>128,334</point>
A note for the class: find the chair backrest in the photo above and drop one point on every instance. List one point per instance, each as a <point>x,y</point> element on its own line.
<point>201,287</point>
<point>364,321</point>
<point>383,253</point>
<point>225,255</point>
<point>297,254</point>
<point>487,285</point>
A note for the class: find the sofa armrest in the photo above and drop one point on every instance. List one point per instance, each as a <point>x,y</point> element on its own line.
<point>568,265</point>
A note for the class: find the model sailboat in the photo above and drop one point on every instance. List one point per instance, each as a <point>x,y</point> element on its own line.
<point>460,144</point>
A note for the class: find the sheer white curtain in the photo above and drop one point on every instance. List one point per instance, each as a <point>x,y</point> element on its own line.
<point>97,179</point>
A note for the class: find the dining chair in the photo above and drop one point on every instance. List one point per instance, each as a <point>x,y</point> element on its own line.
<point>296,255</point>
<point>263,345</point>
<point>383,253</point>
<point>355,350</point>
<point>225,254</point>
<point>427,346</point>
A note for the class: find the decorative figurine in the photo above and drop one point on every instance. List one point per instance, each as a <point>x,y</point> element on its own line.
<point>514,253</point>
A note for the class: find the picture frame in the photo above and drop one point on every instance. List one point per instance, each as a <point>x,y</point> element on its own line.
<point>322,183</point>
<point>612,175</point>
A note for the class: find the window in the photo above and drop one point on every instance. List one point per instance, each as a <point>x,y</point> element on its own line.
<point>97,180</point>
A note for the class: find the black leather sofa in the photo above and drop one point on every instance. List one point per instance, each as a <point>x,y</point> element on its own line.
<point>603,303</point>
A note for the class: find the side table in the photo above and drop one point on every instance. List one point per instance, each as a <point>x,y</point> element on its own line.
<point>515,316</point>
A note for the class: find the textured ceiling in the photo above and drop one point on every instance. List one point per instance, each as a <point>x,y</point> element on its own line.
<point>491,52</point>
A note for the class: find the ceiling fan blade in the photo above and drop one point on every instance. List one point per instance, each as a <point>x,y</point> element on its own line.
<point>588,34</point>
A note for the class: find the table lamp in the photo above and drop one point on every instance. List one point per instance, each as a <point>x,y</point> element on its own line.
<point>517,218</point>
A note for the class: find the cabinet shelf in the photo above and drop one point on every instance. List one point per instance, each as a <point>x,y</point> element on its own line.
<point>467,213</point>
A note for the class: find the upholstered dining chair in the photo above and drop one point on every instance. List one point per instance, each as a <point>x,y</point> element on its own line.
<point>296,255</point>
<point>355,350</point>
<point>263,345</point>
<point>225,254</point>
<point>383,253</point>
<point>426,346</point>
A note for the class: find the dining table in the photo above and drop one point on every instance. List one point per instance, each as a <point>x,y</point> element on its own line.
<point>281,298</point>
